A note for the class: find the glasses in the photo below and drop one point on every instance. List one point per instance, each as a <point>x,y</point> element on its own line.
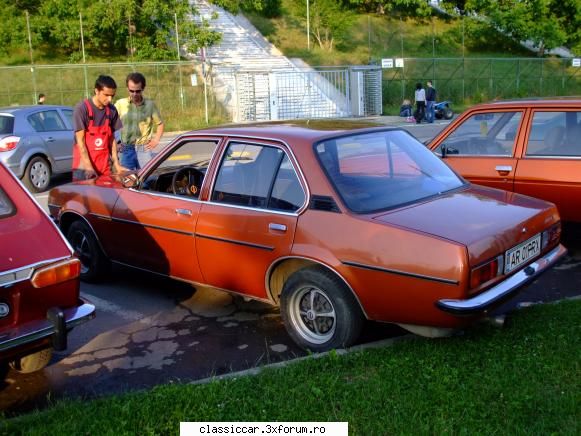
<point>135,91</point>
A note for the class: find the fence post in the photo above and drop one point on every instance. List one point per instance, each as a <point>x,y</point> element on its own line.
<point>517,75</point>
<point>490,83</point>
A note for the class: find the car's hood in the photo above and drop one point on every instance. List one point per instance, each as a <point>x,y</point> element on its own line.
<point>487,221</point>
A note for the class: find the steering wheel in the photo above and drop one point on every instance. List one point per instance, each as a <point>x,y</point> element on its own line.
<point>187,181</point>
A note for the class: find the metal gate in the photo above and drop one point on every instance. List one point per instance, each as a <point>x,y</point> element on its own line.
<point>366,98</point>
<point>292,94</point>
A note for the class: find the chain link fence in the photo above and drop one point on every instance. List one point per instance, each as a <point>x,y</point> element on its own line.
<point>474,80</point>
<point>187,101</point>
<point>178,88</point>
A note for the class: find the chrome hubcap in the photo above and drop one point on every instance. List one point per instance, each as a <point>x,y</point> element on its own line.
<point>39,174</point>
<point>82,250</point>
<point>313,315</point>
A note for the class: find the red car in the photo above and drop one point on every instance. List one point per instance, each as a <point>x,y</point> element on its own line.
<point>532,147</point>
<point>333,222</point>
<point>39,281</point>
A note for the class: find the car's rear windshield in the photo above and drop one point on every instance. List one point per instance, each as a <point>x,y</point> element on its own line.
<point>6,206</point>
<point>6,124</point>
<point>382,170</point>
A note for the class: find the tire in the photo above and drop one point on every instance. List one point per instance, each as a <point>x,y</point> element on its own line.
<point>448,113</point>
<point>94,265</point>
<point>33,362</point>
<point>319,311</point>
<point>37,174</point>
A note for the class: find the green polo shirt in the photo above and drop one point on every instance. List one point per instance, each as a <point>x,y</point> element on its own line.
<point>139,122</point>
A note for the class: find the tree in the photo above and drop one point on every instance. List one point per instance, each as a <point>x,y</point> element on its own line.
<point>329,21</point>
<point>534,20</point>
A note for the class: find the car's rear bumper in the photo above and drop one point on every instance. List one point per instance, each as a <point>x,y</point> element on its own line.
<point>503,290</point>
<point>56,325</point>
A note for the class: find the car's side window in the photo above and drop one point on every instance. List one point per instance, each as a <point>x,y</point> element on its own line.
<point>485,134</point>
<point>182,172</point>
<point>257,176</point>
<point>46,121</point>
<point>287,192</point>
<point>6,206</point>
<point>555,134</point>
<point>68,113</point>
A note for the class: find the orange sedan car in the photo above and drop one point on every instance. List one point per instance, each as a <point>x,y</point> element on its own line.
<point>532,147</point>
<point>334,224</point>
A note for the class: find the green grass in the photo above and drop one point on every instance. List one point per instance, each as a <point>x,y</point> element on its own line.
<point>523,379</point>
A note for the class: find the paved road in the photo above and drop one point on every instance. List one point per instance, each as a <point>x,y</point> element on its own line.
<point>151,330</point>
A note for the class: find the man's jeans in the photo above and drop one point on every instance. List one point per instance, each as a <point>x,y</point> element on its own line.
<point>430,112</point>
<point>134,157</point>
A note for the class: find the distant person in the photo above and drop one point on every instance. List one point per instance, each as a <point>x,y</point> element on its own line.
<point>420,99</point>
<point>405,110</point>
<point>430,102</point>
<point>95,121</point>
<point>142,124</point>
<point>40,99</point>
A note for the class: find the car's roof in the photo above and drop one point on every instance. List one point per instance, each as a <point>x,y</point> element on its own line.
<point>534,102</point>
<point>28,108</point>
<point>310,130</point>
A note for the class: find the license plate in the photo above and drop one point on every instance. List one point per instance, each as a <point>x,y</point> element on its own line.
<point>522,253</point>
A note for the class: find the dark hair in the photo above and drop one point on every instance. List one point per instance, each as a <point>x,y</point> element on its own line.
<point>40,95</point>
<point>418,85</point>
<point>105,82</point>
<point>136,78</point>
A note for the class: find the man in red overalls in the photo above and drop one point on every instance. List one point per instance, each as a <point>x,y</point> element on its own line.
<point>95,120</point>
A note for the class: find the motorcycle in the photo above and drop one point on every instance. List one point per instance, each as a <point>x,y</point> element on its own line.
<point>443,110</point>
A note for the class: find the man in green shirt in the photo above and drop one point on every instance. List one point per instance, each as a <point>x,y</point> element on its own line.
<point>142,123</point>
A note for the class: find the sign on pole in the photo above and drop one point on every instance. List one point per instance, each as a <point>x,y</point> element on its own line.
<point>387,63</point>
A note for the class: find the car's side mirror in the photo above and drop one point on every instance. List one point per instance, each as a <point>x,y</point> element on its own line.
<point>130,180</point>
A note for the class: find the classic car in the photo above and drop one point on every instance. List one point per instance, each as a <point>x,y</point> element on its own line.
<point>532,147</point>
<point>334,223</point>
<point>39,281</point>
<point>37,142</point>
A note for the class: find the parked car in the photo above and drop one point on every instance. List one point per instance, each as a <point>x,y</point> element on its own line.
<point>39,281</point>
<point>333,223</point>
<point>532,147</point>
<point>36,142</point>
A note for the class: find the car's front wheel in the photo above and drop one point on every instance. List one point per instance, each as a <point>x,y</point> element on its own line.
<point>37,174</point>
<point>94,264</point>
<point>33,362</point>
<point>319,311</point>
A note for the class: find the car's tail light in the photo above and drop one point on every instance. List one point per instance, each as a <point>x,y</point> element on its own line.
<point>9,143</point>
<point>485,272</point>
<point>56,273</point>
<point>551,236</point>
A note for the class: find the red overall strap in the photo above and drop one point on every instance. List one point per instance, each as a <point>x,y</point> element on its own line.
<point>90,111</point>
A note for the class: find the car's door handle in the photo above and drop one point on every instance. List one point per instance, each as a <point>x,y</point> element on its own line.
<point>277,227</point>
<point>50,139</point>
<point>503,168</point>
<point>187,212</point>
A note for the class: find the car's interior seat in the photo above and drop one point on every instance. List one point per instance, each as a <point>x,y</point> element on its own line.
<point>554,140</point>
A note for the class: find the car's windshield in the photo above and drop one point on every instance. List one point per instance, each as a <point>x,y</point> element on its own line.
<point>381,170</point>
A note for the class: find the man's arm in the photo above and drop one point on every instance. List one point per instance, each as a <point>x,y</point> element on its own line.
<point>85,161</point>
<point>153,142</point>
<point>117,168</point>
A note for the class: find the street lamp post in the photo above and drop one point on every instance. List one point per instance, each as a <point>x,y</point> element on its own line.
<point>308,28</point>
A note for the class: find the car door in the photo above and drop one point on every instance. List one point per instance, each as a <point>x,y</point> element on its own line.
<point>154,222</point>
<point>482,147</point>
<point>57,137</point>
<point>251,217</point>
<point>550,167</point>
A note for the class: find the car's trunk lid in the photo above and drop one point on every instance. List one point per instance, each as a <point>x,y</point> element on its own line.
<point>487,221</point>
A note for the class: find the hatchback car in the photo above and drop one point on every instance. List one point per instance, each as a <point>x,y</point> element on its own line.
<point>532,147</point>
<point>335,225</point>
<point>36,142</point>
<point>39,281</point>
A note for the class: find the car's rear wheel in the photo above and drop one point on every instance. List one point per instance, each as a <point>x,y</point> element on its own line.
<point>37,174</point>
<point>319,311</point>
<point>33,362</point>
<point>94,264</point>
<point>448,113</point>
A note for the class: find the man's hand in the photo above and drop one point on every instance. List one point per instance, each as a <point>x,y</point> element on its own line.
<point>151,144</point>
<point>118,168</point>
